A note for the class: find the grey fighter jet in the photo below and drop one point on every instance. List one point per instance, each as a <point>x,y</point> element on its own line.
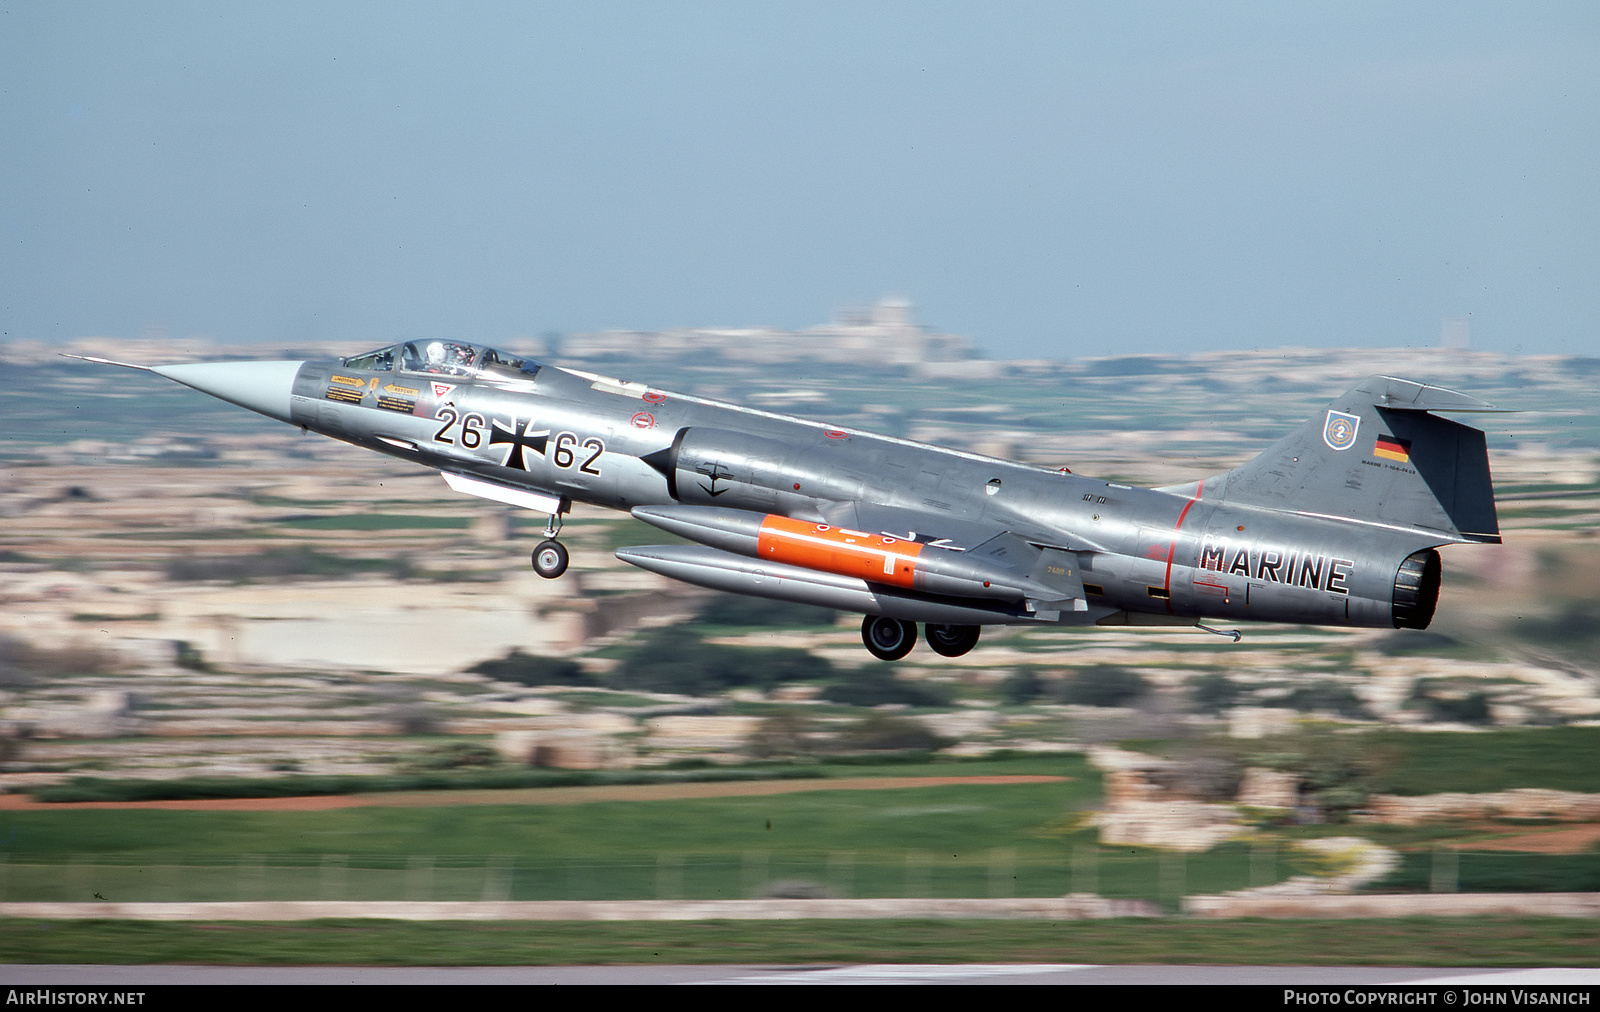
<point>1337,523</point>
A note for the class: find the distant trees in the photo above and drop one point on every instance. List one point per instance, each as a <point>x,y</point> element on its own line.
<point>278,564</point>
<point>1454,708</point>
<point>1095,685</point>
<point>22,663</point>
<point>784,735</point>
<point>877,686</point>
<point>1324,697</point>
<point>676,659</point>
<point>1103,685</point>
<point>886,731</point>
<point>1215,692</point>
<point>531,669</point>
<point>1022,687</point>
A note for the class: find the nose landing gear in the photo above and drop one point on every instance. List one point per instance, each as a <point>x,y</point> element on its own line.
<point>550,556</point>
<point>550,559</point>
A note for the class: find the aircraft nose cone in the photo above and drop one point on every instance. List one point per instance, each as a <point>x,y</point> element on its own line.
<point>259,386</point>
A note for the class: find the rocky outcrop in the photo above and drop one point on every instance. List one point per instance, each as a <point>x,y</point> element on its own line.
<point>1519,803</point>
<point>1174,824</point>
<point>1263,788</point>
<point>1351,864</point>
<point>104,714</point>
<point>1139,813</point>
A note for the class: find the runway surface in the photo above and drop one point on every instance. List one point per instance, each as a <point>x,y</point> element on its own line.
<point>973,973</point>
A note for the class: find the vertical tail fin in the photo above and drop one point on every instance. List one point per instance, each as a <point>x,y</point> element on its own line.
<point>1376,455</point>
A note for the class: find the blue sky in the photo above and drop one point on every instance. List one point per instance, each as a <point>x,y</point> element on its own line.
<point>1050,179</point>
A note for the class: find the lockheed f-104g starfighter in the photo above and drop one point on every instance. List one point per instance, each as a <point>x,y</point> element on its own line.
<point>1338,523</point>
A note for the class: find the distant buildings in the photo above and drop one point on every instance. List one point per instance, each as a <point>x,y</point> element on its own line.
<point>880,335</point>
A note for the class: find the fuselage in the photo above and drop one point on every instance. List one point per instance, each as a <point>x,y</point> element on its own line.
<point>1141,554</point>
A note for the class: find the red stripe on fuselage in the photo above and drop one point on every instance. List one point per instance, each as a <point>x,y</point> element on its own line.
<point>1173,548</point>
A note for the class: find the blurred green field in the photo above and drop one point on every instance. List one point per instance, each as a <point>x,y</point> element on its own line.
<point>953,840</point>
<point>993,873</point>
<point>1555,758</point>
<point>944,841</point>
<point>1498,872</point>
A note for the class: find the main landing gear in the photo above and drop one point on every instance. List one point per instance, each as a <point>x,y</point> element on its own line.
<point>951,640</point>
<point>550,556</point>
<point>890,639</point>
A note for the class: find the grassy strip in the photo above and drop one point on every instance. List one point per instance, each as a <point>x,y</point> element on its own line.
<point>947,820</point>
<point>1490,761</point>
<point>911,763</point>
<point>102,789</point>
<point>1479,872</point>
<point>951,839</point>
<point>689,876</point>
<point>1479,941</point>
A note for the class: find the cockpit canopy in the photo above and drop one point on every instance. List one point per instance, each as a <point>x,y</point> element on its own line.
<point>446,358</point>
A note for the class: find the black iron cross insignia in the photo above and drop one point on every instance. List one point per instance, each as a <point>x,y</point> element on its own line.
<point>504,433</point>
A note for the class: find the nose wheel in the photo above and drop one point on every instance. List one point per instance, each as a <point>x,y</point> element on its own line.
<point>550,559</point>
<point>888,639</point>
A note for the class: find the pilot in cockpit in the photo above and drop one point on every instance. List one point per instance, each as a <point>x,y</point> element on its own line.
<point>449,357</point>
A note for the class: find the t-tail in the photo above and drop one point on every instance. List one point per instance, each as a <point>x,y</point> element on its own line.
<point>1377,456</point>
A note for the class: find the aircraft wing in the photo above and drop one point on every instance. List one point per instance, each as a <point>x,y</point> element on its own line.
<point>992,565</point>
<point>1045,559</point>
<point>910,525</point>
<point>945,531</point>
<point>1046,571</point>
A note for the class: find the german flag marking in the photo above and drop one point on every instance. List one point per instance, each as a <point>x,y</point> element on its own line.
<point>1392,448</point>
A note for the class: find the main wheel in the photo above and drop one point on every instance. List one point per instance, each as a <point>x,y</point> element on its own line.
<point>951,640</point>
<point>550,559</point>
<point>888,639</point>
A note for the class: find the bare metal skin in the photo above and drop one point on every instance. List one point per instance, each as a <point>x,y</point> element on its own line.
<point>1335,524</point>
